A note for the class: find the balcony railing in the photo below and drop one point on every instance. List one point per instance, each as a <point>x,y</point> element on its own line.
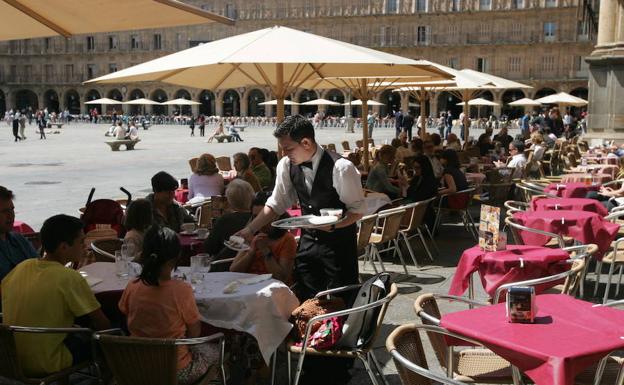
<point>38,78</point>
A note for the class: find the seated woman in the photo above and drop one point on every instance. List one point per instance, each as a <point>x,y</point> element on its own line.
<point>206,180</point>
<point>138,219</point>
<point>239,195</point>
<point>272,250</point>
<point>379,176</point>
<point>452,177</point>
<point>423,186</point>
<point>452,142</point>
<point>242,165</point>
<point>217,132</point>
<point>158,306</point>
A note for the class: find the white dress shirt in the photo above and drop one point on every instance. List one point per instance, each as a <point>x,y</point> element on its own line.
<point>518,162</point>
<point>346,180</point>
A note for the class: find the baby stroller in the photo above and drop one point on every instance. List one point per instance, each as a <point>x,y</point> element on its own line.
<point>103,214</point>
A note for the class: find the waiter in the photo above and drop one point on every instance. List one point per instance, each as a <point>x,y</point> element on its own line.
<point>327,256</point>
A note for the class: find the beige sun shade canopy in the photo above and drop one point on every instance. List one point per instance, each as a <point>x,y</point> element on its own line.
<point>320,102</point>
<point>274,103</point>
<point>479,102</point>
<point>26,19</point>
<point>103,101</point>
<point>142,101</point>
<point>358,102</point>
<point>524,102</point>
<point>180,102</point>
<point>562,99</point>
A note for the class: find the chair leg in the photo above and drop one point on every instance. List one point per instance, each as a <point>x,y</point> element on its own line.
<point>378,367</point>
<point>433,241</point>
<point>368,369</point>
<point>410,250</point>
<point>378,254</point>
<point>299,367</point>
<point>288,364</point>
<point>396,247</point>
<point>424,242</point>
<point>598,271</point>
<point>606,293</point>
<point>273,361</point>
<point>436,223</point>
<point>222,363</point>
<point>617,288</point>
<point>473,231</point>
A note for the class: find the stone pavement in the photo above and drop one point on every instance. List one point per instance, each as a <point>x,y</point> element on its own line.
<point>55,175</point>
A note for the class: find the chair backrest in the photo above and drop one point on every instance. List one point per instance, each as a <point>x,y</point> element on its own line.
<point>193,164</point>
<point>459,200</point>
<point>100,233</point>
<point>391,223</point>
<point>418,211</point>
<point>359,143</point>
<point>140,361</point>
<point>427,304</point>
<point>345,145</point>
<point>219,205</point>
<point>9,364</point>
<point>515,206</point>
<point>331,147</point>
<point>104,249</point>
<point>223,163</point>
<point>366,226</point>
<point>516,228</point>
<point>406,341</point>
<point>204,215</point>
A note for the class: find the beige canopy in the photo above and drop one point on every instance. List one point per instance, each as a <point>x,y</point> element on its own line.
<point>479,102</point>
<point>320,102</point>
<point>103,101</point>
<point>181,102</point>
<point>275,101</point>
<point>26,19</point>
<point>562,99</point>
<point>142,101</point>
<point>524,102</point>
<point>282,58</point>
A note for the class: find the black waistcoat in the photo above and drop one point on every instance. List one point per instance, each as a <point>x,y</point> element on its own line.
<point>323,194</point>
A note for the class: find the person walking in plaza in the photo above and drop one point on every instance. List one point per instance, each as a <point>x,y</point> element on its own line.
<point>371,119</point>
<point>41,124</point>
<point>407,124</point>
<point>16,117</point>
<point>202,125</point>
<point>22,124</point>
<point>449,123</point>
<point>192,125</point>
<point>398,122</point>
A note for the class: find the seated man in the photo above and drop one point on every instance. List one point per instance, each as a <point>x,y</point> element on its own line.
<point>120,132</point>
<point>14,248</point>
<point>517,160</point>
<point>45,293</point>
<point>133,132</point>
<point>166,211</point>
<point>233,132</point>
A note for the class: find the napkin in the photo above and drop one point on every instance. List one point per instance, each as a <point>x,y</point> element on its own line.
<point>233,286</point>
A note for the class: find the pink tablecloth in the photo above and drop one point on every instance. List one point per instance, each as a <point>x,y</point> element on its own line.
<point>181,195</point>
<point>22,228</point>
<point>583,226</point>
<point>579,204</point>
<point>569,336</point>
<point>571,189</point>
<point>597,178</point>
<point>602,159</point>
<point>517,263</point>
<point>190,246</point>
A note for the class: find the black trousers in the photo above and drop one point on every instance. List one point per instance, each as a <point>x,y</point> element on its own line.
<point>325,261</point>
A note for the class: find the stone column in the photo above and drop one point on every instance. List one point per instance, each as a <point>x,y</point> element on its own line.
<point>433,105</point>
<point>404,102</point>
<point>605,120</point>
<point>9,95</point>
<point>243,105</point>
<point>498,98</point>
<point>219,104</point>
<point>195,109</point>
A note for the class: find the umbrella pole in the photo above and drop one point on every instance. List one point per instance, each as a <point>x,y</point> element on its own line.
<point>364,99</point>
<point>423,122</point>
<point>279,88</point>
<point>466,117</point>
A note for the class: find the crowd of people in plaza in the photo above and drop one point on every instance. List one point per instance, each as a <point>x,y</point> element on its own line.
<point>38,290</point>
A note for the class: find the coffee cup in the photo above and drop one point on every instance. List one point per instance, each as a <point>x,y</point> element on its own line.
<point>331,212</point>
<point>237,241</point>
<point>202,232</point>
<point>188,227</point>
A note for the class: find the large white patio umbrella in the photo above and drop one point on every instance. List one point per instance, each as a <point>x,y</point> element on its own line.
<point>524,102</point>
<point>358,102</point>
<point>562,99</point>
<point>479,102</point>
<point>142,101</point>
<point>274,102</point>
<point>320,102</point>
<point>26,19</point>
<point>180,102</point>
<point>103,101</point>
<point>283,59</point>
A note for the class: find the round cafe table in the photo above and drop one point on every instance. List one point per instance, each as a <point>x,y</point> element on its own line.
<point>570,189</point>
<point>578,204</point>
<point>516,263</point>
<point>595,178</point>
<point>260,309</point>
<point>584,226</point>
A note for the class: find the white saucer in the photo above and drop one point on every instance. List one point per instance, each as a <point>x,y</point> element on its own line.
<point>188,232</point>
<point>234,247</point>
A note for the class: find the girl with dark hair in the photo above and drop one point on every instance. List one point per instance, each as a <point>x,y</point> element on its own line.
<point>138,219</point>
<point>453,178</point>
<point>272,250</point>
<point>423,185</point>
<point>157,306</point>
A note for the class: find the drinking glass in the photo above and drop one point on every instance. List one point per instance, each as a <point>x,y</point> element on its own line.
<point>199,266</point>
<point>121,264</point>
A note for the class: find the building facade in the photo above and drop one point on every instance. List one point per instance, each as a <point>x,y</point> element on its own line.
<point>538,42</point>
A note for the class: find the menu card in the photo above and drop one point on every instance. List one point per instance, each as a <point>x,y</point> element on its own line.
<point>490,236</point>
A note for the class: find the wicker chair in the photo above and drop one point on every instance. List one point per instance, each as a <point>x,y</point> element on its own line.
<point>413,225</point>
<point>359,143</point>
<point>204,215</point>
<point>10,366</point>
<point>104,249</point>
<point>345,145</point>
<point>193,164</point>
<point>366,225</point>
<point>99,233</point>
<point>463,211</point>
<point>331,147</point>
<point>614,258</point>
<point>477,365</point>
<point>224,163</point>
<point>364,353</point>
<point>515,206</point>
<point>150,361</point>
<point>389,223</point>
<point>405,346</point>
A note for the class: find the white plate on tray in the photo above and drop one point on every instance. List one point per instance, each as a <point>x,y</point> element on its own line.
<point>235,247</point>
<point>305,221</point>
<point>194,232</point>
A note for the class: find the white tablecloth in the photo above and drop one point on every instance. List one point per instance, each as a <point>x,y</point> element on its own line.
<point>260,309</point>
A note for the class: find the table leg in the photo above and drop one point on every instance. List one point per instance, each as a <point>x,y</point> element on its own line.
<point>449,362</point>
<point>471,290</point>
